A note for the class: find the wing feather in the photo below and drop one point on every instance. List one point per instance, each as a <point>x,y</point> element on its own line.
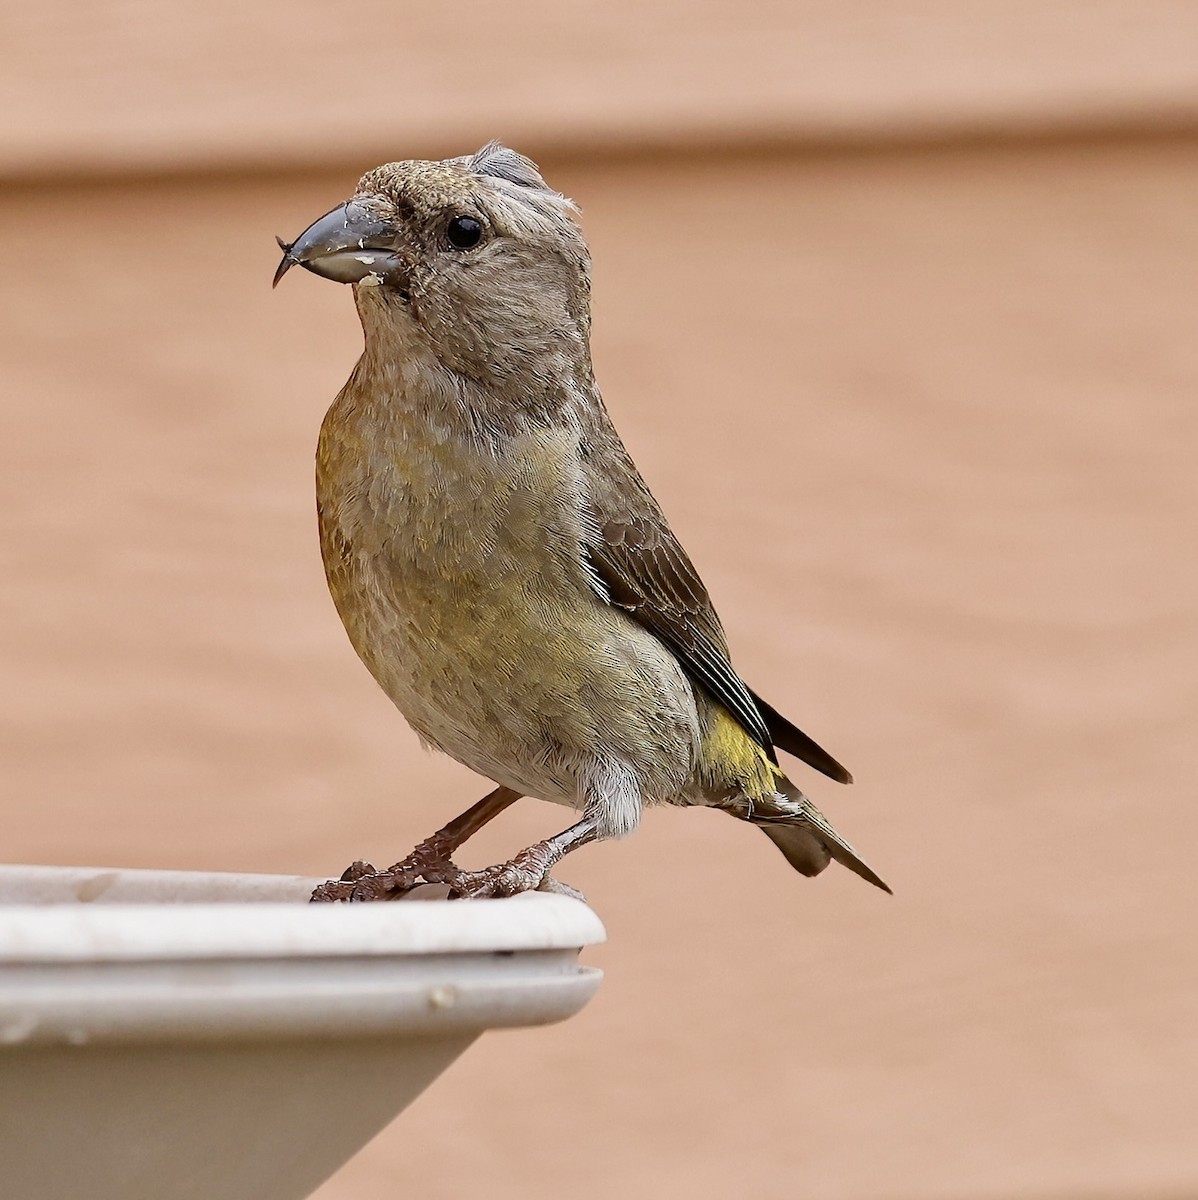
<point>648,574</point>
<point>642,568</point>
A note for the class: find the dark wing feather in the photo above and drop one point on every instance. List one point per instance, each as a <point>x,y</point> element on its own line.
<point>643,569</point>
<point>794,741</point>
<point>647,573</point>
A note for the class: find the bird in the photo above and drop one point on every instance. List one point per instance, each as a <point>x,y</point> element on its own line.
<point>498,562</point>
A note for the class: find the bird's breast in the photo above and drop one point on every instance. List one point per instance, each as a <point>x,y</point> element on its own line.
<point>449,561</point>
<point>429,516</point>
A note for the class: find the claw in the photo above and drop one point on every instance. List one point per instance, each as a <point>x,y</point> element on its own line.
<point>549,884</point>
<point>334,891</point>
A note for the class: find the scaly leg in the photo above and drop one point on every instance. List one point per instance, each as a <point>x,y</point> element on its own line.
<point>529,870</point>
<point>429,861</point>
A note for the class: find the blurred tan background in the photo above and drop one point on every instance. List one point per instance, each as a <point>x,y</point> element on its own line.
<point>895,307</point>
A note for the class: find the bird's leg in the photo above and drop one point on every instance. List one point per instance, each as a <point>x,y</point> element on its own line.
<point>429,861</point>
<point>529,870</point>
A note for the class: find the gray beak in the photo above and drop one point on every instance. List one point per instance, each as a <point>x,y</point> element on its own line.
<point>345,245</point>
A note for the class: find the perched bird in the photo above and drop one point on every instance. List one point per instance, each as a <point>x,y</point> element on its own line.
<point>499,564</point>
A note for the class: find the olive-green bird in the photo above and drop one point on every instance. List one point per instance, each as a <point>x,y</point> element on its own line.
<point>499,563</point>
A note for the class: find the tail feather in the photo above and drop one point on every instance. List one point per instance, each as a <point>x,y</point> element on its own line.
<point>807,839</point>
<point>787,736</point>
<point>801,848</point>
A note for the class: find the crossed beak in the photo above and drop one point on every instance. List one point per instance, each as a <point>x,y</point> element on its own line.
<point>345,245</point>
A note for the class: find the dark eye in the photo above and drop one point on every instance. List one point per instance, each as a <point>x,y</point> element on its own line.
<point>464,233</point>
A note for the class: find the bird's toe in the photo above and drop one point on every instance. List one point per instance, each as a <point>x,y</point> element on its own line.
<point>549,884</point>
<point>522,874</point>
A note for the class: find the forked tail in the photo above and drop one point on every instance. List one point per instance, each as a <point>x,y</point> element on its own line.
<point>806,837</point>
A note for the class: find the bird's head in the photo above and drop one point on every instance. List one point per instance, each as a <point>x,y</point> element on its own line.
<point>475,260</point>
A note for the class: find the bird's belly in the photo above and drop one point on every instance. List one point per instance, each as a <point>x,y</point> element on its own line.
<point>524,688</point>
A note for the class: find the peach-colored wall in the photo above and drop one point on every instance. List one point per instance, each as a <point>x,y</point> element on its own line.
<point>111,85</point>
<point>926,420</point>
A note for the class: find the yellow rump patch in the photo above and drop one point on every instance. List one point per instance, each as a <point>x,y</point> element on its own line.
<point>728,756</point>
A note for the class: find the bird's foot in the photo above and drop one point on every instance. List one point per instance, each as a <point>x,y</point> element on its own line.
<point>360,882</point>
<point>527,872</point>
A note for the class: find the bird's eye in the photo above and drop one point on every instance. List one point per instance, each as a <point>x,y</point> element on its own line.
<point>464,233</point>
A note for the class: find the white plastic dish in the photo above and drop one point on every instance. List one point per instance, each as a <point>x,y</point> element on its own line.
<point>187,1036</point>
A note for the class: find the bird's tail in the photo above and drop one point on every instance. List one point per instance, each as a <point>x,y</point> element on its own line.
<point>806,837</point>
